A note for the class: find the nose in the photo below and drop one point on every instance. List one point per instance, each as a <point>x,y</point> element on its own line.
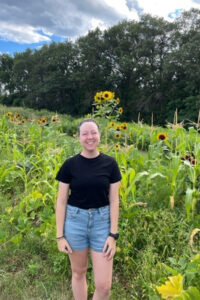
<point>90,135</point>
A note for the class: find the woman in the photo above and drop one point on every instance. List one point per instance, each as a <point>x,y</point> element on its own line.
<point>87,212</point>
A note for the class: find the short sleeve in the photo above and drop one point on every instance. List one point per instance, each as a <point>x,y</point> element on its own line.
<point>64,174</point>
<point>115,174</point>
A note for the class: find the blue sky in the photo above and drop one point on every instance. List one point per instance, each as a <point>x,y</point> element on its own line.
<point>11,47</point>
<point>30,24</point>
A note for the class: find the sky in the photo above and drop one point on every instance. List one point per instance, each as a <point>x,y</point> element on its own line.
<point>33,23</point>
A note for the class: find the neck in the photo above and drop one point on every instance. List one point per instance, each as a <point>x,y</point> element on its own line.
<point>91,154</point>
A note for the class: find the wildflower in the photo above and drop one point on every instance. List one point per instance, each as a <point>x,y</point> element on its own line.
<point>16,115</point>
<point>117,135</point>
<point>172,288</point>
<point>194,161</point>
<point>107,95</point>
<point>112,124</point>
<point>189,158</point>
<point>98,97</point>
<point>43,120</point>
<point>118,128</point>
<point>123,126</point>
<point>117,147</point>
<point>120,109</point>
<point>9,114</point>
<point>54,118</point>
<point>162,136</point>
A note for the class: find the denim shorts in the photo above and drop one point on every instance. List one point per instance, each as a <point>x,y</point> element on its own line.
<point>87,228</point>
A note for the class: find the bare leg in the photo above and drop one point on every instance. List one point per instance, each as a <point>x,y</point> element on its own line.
<point>102,275</point>
<point>79,263</point>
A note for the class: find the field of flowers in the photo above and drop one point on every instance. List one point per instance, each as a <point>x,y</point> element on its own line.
<point>158,253</point>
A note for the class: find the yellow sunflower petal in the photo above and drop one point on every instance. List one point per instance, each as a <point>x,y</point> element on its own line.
<point>120,109</point>
<point>107,95</point>
<point>172,288</point>
<point>162,136</point>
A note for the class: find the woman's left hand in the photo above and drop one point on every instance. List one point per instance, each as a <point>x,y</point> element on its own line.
<point>109,248</point>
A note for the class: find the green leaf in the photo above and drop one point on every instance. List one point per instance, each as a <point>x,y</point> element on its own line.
<point>169,269</point>
<point>188,202</point>
<point>192,293</point>
<point>16,239</point>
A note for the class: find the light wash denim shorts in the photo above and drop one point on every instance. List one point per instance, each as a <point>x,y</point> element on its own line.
<point>87,228</point>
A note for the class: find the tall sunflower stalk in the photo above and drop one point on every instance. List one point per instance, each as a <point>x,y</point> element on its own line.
<point>107,107</point>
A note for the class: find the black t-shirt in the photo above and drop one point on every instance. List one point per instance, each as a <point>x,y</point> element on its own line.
<point>89,179</point>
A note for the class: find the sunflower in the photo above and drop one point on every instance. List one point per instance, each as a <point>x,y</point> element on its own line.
<point>120,109</point>
<point>162,136</point>
<point>117,100</point>
<point>112,124</point>
<point>118,128</point>
<point>23,121</point>
<point>123,126</point>
<point>9,114</point>
<point>117,146</point>
<point>54,118</point>
<point>107,95</point>
<point>98,97</point>
<point>117,135</point>
<point>16,115</point>
<point>43,120</point>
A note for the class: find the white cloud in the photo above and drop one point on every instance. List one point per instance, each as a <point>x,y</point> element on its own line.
<point>21,34</point>
<point>163,8</point>
<point>121,7</point>
<point>36,21</point>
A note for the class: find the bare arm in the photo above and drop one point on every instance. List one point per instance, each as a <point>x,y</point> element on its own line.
<point>114,206</point>
<point>110,245</point>
<point>61,205</point>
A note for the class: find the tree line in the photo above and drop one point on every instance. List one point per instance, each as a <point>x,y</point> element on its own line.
<point>152,65</point>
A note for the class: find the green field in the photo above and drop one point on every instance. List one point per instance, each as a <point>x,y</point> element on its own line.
<point>159,207</point>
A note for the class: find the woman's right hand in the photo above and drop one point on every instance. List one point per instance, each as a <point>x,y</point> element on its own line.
<point>63,246</point>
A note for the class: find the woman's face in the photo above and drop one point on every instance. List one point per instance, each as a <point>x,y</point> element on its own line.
<point>89,136</point>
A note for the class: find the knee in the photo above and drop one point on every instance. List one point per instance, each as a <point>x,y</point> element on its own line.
<point>103,287</point>
<point>79,274</point>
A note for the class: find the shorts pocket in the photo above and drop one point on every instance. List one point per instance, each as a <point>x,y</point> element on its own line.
<point>105,213</point>
<point>72,212</point>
